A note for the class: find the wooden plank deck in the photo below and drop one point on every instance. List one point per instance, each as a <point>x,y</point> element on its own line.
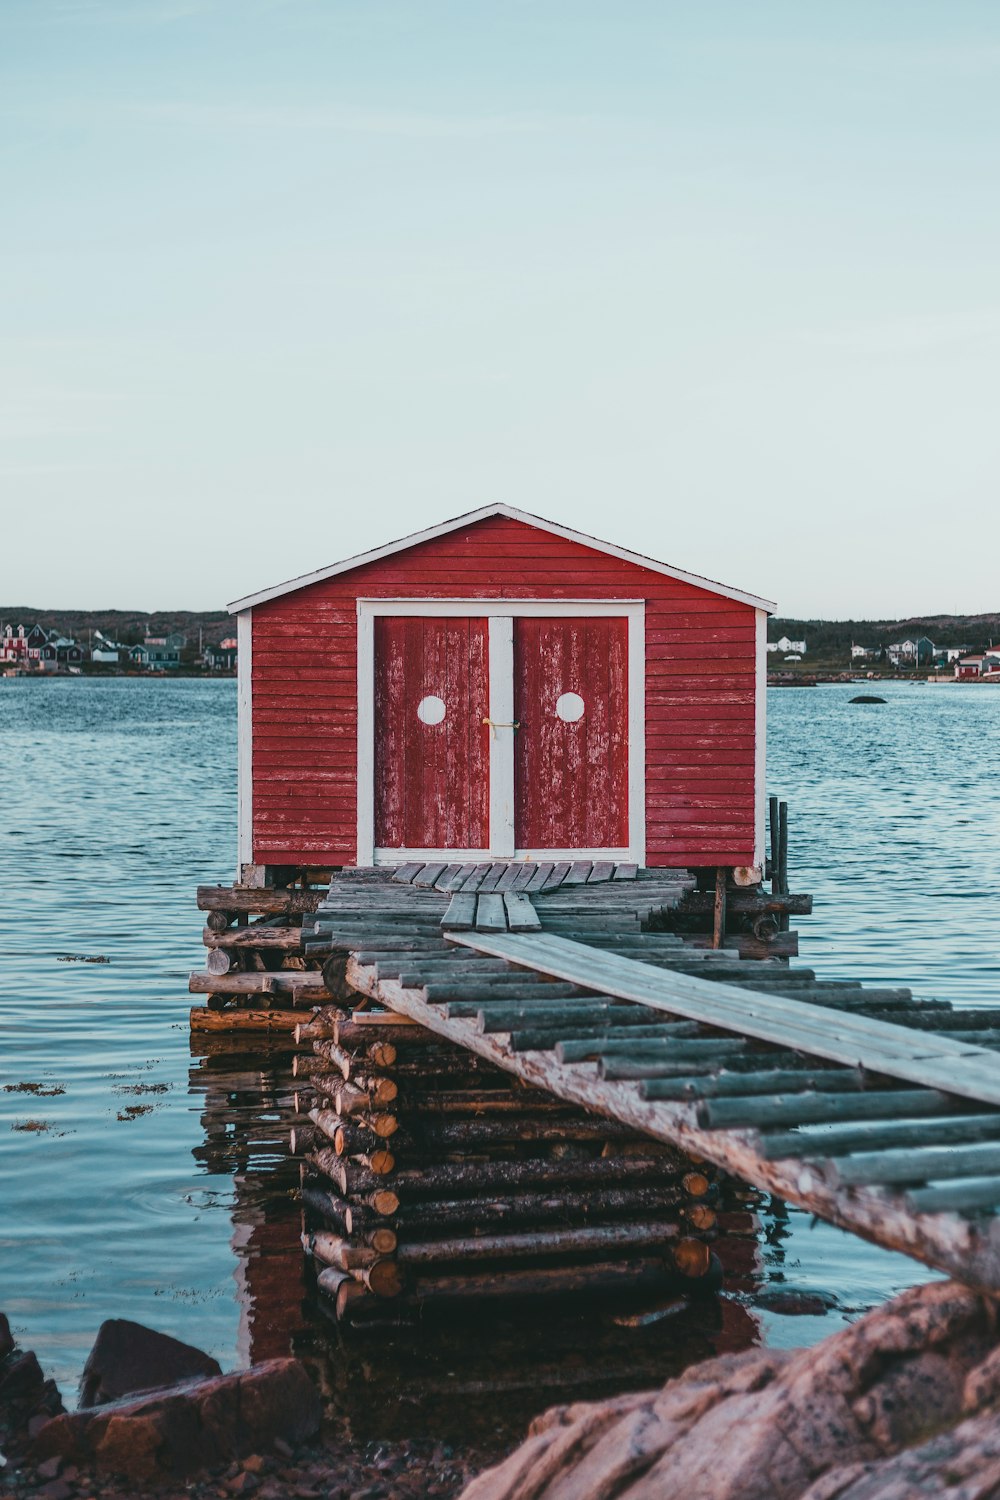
<point>868,1108</point>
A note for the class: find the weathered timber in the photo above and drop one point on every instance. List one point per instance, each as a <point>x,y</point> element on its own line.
<point>845,1139</point>
<point>382,1199</point>
<point>248,899</point>
<point>968,1196</point>
<point>968,1071</point>
<point>928,1164</point>
<point>474,1177</point>
<point>546,1038</point>
<point>726,1084</point>
<point>602,1276</point>
<point>333,1250</point>
<point>747,903</point>
<point>526,1208</point>
<point>592,1239</point>
<point>257,936</point>
<point>461,912</point>
<point>244,1020</point>
<point>812,1109</point>
<point>383,1277</point>
<point>306,983</point>
<point>521,915</point>
<point>719,908</point>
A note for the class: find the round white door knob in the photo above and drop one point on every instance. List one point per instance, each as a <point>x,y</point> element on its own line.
<point>430,710</point>
<point>569,707</point>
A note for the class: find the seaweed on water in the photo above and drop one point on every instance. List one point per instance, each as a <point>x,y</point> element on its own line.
<point>82,958</point>
<point>42,1090</point>
<point>141,1088</point>
<point>133,1111</point>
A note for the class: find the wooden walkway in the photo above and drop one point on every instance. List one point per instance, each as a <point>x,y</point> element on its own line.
<point>873,1110</point>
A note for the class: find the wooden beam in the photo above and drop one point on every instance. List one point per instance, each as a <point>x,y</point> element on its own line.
<point>938,1062</point>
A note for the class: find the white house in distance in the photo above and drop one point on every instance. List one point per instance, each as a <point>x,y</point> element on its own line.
<point>785,645</point>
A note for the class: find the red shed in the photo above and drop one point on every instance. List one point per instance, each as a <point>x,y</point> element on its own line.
<point>500,686</point>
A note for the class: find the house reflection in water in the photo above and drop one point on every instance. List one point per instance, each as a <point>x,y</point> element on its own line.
<point>247,1100</point>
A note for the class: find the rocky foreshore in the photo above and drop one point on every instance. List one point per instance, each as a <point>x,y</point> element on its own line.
<point>902,1405</point>
<point>158,1417</point>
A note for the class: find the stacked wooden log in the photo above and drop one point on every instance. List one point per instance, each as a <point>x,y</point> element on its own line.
<point>257,971</point>
<point>750,922</point>
<point>429,1173</point>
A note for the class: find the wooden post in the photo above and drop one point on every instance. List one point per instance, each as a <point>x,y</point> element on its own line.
<point>772,809</point>
<point>719,918</point>
<point>783,847</point>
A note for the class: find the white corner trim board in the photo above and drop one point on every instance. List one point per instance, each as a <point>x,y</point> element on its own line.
<point>501,614</point>
<point>760,738</point>
<point>244,740</point>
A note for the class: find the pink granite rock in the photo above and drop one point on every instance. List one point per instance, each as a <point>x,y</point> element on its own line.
<point>872,1404</point>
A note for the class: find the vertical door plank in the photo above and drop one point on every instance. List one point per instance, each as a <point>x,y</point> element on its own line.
<point>571,773</point>
<point>431,779</point>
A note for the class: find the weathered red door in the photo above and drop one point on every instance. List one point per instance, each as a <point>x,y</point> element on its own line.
<point>431,746</point>
<point>571,749</point>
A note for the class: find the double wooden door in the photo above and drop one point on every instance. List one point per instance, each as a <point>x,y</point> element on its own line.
<point>496,736</point>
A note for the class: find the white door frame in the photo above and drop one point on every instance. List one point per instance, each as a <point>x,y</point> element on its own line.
<point>500,613</point>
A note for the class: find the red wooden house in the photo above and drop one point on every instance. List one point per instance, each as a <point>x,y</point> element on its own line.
<point>499,686</point>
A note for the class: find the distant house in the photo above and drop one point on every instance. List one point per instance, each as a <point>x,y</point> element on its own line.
<point>918,652</point>
<point>978,664</point>
<point>952,653</point>
<point>13,644</point>
<point>784,645</point>
<point>61,651</point>
<point>861,653</point>
<point>159,652</point>
<point>105,652</point>
<point>222,658</point>
<point>35,640</point>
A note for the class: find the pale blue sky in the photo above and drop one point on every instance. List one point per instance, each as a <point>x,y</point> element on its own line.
<point>283,279</point>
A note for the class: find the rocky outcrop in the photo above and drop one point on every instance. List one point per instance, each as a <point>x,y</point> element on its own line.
<point>171,1433</point>
<point>128,1358</point>
<point>904,1403</point>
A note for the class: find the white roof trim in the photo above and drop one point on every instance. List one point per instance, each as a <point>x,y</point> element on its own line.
<point>512,514</point>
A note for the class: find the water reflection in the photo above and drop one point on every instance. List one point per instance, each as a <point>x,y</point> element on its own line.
<point>407,1375</point>
<point>246,1100</point>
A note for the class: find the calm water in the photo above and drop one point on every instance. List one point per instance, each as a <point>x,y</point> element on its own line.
<point>143,1194</point>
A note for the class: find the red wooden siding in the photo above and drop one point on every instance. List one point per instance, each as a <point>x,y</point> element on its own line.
<point>571,778</point>
<point>699,691</point>
<point>431,780</point>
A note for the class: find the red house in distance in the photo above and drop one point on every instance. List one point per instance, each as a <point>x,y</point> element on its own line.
<point>500,687</point>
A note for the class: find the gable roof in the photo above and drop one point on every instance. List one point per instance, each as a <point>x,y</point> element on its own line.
<point>484,513</point>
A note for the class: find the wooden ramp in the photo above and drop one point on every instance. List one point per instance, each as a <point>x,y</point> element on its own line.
<point>873,1110</point>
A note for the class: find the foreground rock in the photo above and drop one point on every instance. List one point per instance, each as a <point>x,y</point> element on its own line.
<point>171,1433</point>
<point>904,1404</point>
<point>128,1358</point>
<point>27,1399</point>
